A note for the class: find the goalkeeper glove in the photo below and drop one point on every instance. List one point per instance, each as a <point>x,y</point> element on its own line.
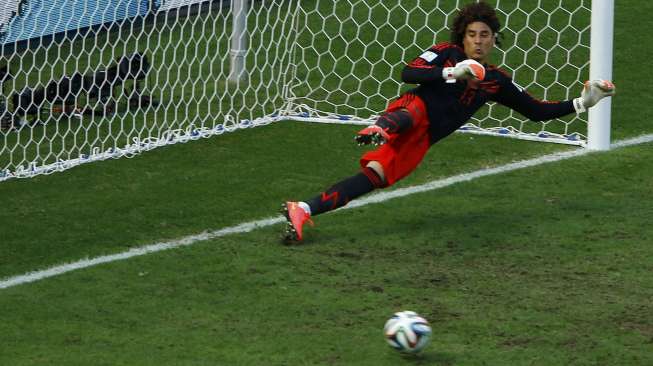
<point>468,69</point>
<point>593,92</point>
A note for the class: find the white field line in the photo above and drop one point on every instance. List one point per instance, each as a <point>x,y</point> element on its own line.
<point>252,225</point>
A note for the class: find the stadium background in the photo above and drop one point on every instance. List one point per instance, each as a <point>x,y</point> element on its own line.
<point>22,20</point>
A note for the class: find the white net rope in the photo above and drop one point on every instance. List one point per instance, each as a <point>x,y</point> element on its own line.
<point>86,81</point>
<point>355,50</point>
<point>146,74</point>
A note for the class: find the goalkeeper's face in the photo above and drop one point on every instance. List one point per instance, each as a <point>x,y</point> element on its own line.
<point>478,41</point>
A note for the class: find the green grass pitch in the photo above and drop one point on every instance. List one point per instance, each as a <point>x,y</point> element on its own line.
<point>549,265</point>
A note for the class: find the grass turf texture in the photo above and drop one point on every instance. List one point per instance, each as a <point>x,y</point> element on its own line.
<point>551,271</point>
<point>546,266</point>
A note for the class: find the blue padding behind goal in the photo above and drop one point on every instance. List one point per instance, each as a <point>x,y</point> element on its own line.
<point>29,19</point>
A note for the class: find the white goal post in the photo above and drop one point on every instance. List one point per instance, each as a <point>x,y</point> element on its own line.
<point>84,81</point>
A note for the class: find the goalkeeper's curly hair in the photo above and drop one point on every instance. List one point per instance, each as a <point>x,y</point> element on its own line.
<point>475,12</point>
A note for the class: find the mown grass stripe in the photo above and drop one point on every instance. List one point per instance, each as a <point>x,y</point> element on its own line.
<point>252,225</point>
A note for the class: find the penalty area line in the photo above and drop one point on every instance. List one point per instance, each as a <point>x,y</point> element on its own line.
<point>253,225</point>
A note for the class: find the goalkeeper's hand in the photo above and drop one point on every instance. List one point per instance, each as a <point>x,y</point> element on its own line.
<point>593,92</point>
<point>464,70</point>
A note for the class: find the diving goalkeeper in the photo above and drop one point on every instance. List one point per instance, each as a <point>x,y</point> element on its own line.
<point>454,80</point>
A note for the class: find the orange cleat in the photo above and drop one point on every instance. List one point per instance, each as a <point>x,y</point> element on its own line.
<point>296,217</point>
<point>372,135</point>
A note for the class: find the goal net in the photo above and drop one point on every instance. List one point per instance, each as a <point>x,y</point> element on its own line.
<point>84,81</point>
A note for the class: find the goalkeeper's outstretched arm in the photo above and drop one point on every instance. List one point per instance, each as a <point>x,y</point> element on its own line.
<point>537,110</point>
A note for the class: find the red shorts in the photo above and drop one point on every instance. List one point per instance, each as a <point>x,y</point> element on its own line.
<point>403,152</point>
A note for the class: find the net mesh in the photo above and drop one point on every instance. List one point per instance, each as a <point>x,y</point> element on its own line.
<point>351,54</point>
<point>86,81</point>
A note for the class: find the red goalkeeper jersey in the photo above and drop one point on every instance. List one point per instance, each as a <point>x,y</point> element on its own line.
<point>450,105</point>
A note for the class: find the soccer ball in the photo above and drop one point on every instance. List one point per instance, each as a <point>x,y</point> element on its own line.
<point>406,331</point>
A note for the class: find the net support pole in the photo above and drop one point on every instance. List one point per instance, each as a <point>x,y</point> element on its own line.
<point>598,134</point>
<point>238,49</point>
